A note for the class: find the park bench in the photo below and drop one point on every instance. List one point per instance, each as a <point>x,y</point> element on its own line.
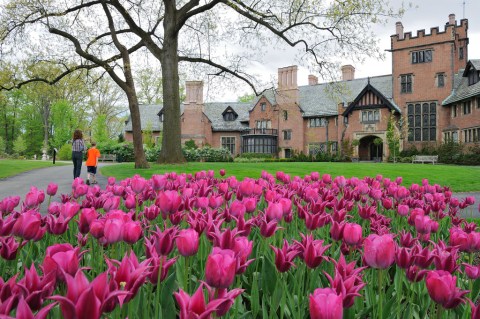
<point>425,158</point>
<point>108,157</point>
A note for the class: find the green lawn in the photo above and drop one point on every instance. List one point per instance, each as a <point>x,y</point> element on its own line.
<point>14,167</point>
<point>459,178</point>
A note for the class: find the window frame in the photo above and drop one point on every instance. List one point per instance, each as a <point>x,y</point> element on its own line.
<point>406,83</point>
<point>441,84</point>
<point>285,115</point>
<point>422,56</point>
<point>287,135</point>
<point>466,107</point>
<point>228,144</point>
<point>422,121</point>
<point>370,116</point>
<point>263,106</point>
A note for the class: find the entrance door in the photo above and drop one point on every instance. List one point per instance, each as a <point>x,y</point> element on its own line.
<point>288,153</point>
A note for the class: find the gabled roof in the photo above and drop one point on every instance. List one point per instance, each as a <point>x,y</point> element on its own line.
<point>148,116</point>
<point>371,88</point>
<point>267,94</point>
<point>475,64</point>
<point>229,109</point>
<point>215,110</point>
<point>461,90</point>
<point>323,99</point>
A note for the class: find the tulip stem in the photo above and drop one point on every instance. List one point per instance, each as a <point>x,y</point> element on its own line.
<point>186,272</point>
<point>380,293</point>
<point>439,311</point>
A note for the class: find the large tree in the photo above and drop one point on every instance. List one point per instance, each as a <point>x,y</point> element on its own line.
<point>224,35</point>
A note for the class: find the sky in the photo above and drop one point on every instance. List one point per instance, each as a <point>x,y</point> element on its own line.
<point>424,14</point>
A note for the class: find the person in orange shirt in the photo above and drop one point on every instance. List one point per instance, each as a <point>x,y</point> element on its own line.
<point>92,162</point>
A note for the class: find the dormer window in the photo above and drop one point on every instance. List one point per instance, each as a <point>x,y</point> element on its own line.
<point>229,114</point>
<point>473,77</point>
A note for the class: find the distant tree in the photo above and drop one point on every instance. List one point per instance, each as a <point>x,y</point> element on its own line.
<point>2,145</point>
<point>246,98</point>
<point>19,145</point>
<point>393,137</point>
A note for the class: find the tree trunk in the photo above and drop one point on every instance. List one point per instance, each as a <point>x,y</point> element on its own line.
<point>140,159</point>
<point>171,142</point>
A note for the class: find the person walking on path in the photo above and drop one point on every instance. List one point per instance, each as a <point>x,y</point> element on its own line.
<point>78,146</point>
<point>92,162</point>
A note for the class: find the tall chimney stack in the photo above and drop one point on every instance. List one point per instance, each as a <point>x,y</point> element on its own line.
<point>287,78</point>
<point>348,72</point>
<point>399,30</point>
<point>451,18</point>
<point>312,79</point>
<point>194,92</point>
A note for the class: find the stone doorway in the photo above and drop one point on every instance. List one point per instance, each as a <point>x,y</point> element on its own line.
<point>368,150</point>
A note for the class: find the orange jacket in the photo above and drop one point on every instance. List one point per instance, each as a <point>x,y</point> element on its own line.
<point>92,155</point>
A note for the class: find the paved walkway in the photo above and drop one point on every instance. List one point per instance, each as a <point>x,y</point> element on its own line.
<point>63,176</point>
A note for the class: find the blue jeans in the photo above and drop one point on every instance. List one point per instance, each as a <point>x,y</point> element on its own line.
<point>77,158</point>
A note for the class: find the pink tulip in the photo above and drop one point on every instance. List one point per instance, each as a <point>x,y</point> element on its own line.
<point>9,247</point>
<point>168,201</point>
<point>52,189</point>
<point>194,306</point>
<point>131,232</point>
<point>113,230</point>
<point>163,241</point>
<point>34,197</point>
<point>403,210</point>
<point>8,204</point>
<point>138,184</point>
<point>222,172</point>
<point>220,268</point>
<point>442,288</point>
<point>472,271</point>
<point>325,303</point>
<point>312,251</point>
<point>242,248</point>
<point>27,225</point>
<point>61,259</point>
<point>352,234</point>
<point>274,211</point>
<point>284,256</point>
<point>379,251</point>
<point>187,242</point>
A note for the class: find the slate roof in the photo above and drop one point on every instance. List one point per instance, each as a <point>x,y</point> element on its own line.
<point>462,90</point>
<point>323,99</point>
<point>213,111</point>
<point>148,114</point>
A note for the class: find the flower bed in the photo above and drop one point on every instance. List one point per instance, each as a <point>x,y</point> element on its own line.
<point>186,246</point>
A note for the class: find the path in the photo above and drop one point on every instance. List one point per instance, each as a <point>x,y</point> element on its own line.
<point>63,176</point>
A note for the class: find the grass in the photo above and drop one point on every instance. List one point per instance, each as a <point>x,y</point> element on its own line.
<point>458,178</point>
<point>13,167</point>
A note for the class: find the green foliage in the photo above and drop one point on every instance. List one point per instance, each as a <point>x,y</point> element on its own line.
<point>152,153</point>
<point>246,98</point>
<point>121,138</point>
<point>65,152</point>
<point>3,145</point>
<point>147,135</point>
<point>207,154</point>
<point>255,155</point>
<point>19,145</point>
<point>124,152</point>
<point>62,120</point>
<point>393,137</point>
<point>190,144</point>
<point>100,129</point>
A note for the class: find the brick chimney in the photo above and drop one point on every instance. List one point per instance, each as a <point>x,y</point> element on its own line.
<point>451,18</point>
<point>194,92</point>
<point>312,79</point>
<point>287,78</point>
<point>399,30</point>
<point>348,72</point>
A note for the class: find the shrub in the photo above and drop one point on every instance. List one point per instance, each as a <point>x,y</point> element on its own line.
<point>65,152</point>
<point>255,155</point>
<point>152,153</point>
<point>190,144</point>
<point>207,154</point>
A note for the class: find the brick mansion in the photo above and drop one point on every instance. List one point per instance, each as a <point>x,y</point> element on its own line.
<point>433,95</point>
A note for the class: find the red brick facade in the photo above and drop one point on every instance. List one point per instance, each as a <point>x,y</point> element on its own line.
<point>425,70</point>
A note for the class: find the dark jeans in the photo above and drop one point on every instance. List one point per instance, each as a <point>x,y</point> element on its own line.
<point>77,158</point>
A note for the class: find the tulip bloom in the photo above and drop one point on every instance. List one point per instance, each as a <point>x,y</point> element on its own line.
<point>325,303</point>
<point>61,259</point>
<point>442,288</point>
<point>168,201</point>
<point>187,242</point>
<point>220,268</point>
<point>131,232</point>
<point>379,251</point>
<point>52,189</point>
<point>194,306</point>
<point>352,234</point>
<point>274,211</point>
<point>27,225</point>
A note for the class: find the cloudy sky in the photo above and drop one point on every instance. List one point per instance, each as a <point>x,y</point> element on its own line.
<point>423,15</point>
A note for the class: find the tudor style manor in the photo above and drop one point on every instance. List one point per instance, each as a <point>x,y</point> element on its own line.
<point>433,94</point>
